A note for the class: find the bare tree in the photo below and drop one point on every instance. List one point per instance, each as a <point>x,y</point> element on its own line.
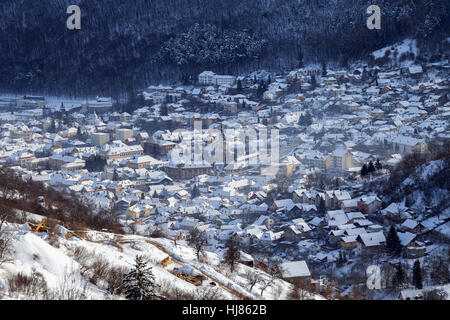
<point>253,278</point>
<point>300,290</point>
<point>5,215</point>
<point>274,271</point>
<point>198,240</point>
<point>233,254</point>
<point>5,246</point>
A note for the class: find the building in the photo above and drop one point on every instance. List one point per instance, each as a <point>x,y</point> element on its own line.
<point>31,102</point>
<point>119,150</point>
<point>99,105</point>
<point>138,162</point>
<point>369,205</point>
<point>341,160</point>
<point>405,145</point>
<point>99,139</point>
<point>123,134</point>
<point>158,147</point>
<point>295,270</point>
<point>210,78</point>
<point>187,171</point>
<point>224,80</point>
<point>206,78</point>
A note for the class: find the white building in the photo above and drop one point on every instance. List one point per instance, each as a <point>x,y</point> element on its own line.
<point>206,77</point>
<point>210,78</point>
<point>99,139</point>
<point>123,134</point>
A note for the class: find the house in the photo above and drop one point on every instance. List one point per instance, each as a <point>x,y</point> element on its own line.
<point>349,205</point>
<point>371,241</point>
<point>295,270</point>
<point>285,204</point>
<point>415,70</point>
<point>405,145</point>
<point>412,226</point>
<point>412,249</point>
<point>246,259</point>
<point>369,204</point>
<point>140,161</point>
<point>269,237</point>
<point>349,242</point>
<point>297,231</point>
<point>396,211</point>
<point>138,211</point>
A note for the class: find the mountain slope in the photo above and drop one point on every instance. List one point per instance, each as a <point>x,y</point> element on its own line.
<point>119,45</point>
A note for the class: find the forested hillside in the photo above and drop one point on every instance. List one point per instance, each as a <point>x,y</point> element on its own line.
<point>121,47</point>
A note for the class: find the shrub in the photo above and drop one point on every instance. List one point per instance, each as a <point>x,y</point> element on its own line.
<point>33,286</point>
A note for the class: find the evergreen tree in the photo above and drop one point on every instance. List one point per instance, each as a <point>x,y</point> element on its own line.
<point>313,82</point>
<point>300,58</point>
<point>115,175</point>
<point>195,192</point>
<point>399,277</point>
<point>393,244</point>
<point>305,120</point>
<point>439,272</point>
<point>371,167</point>
<point>239,85</point>
<point>417,275</point>
<point>324,69</point>
<point>164,111</point>
<point>322,207</point>
<point>378,165</point>
<point>364,170</point>
<point>52,128</point>
<point>139,283</point>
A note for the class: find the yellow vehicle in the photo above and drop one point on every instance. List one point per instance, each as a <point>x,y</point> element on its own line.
<point>42,227</point>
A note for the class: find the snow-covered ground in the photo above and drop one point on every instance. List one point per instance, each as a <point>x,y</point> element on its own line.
<point>56,261</point>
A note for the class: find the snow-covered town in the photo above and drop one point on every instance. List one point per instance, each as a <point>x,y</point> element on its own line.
<point>361,179</point>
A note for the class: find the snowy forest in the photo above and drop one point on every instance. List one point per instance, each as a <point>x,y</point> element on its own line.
<point>123,47</point>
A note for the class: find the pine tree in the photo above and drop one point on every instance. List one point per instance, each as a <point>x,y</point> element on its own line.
<point>139,283</point>
<point>417,275</point>
<point>371,167</point>
<point>164,112</point>
<point>393,244</point>
<point>52,128</point>
<point>322,207</point>
<point>324,69</point>
<point>399,277</point>
<point>300,58</point>
<point>378,165</point>
<point>364,170</point>
<point>239,85</point>
<point>195,192</point>
<point>115,175</point>
<point>313,82</point>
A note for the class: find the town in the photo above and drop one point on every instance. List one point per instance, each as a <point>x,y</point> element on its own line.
<point>320,211</point>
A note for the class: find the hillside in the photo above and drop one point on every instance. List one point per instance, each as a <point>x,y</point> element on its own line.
<point>91,266</point>
<point>121,48</point>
